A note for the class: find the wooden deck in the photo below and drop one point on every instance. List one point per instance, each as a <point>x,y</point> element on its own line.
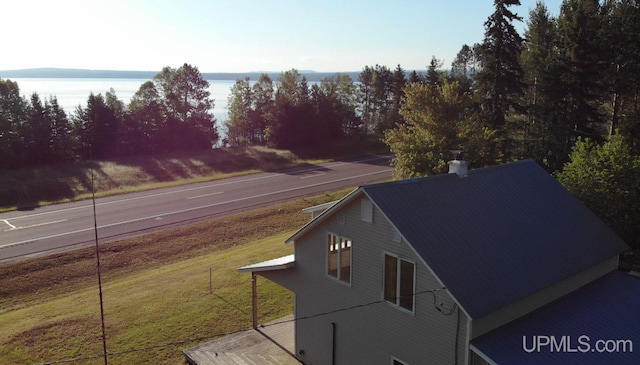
<point>272,343</point>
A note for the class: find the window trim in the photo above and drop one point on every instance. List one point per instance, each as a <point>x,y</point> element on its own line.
<point>341,239</point>
<point>399,260</point>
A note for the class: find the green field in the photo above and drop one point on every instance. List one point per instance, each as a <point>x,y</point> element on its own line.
<point>156,290</point>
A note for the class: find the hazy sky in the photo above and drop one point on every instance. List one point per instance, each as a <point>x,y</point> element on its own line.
<point>241,35</point>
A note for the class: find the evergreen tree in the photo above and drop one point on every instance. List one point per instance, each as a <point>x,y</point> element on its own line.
<point>96,128</point>
<point>365,79</point>
<point>621,26</point>
<point>61,138</point>
<point>294,125</point>
<point>414,77</point>
<point>398,81</point>
<point>582,66</point>
<point>544,136</point>
<point>379,93</point>
<point>465,66</point>
<point>334,100</point>
<point>499,82</point>
<point>35,133</point>
<point>145,122</point>
<point>434,78</point>
<point>12,116</point>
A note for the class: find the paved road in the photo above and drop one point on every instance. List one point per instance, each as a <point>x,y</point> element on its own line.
<point>50,229</point>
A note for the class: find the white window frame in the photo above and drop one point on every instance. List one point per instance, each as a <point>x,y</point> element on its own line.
<point>342,241</point>
<point>396,303</point>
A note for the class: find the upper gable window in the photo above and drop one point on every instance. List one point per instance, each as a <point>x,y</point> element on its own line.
<point>366,210</point>
<point>399,282</point>
<point>339,258</point>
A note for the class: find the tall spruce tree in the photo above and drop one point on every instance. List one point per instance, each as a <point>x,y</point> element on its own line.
<point>582,58</point>
<point>499,82</point>
<point>61,138</point>
<point>12,115</point>
<point>622,77</point>
<point>544,138</point>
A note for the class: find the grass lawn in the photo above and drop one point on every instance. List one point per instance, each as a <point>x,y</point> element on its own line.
<point>156,291</point>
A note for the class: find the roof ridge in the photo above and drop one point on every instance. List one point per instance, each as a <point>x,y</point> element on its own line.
<point>449,175</point>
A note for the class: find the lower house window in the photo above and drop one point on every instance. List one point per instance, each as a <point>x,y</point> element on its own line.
<point>339,258</point>
<point>399,280</point>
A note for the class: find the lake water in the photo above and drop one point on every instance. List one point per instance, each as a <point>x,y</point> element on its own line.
<point>73,92</point>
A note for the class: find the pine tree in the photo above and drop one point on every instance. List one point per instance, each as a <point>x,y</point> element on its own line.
<point>621,27</point>
<point>499,82</point>
<point>582,55</point>
<point>544,137</point>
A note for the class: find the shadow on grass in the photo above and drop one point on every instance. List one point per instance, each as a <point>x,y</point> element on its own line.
<point>24,189</point>
<point>223,160</point>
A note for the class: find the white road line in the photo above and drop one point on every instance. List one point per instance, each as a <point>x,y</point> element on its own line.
<point>191,209</point>
<point>313,175</point>
<point>41,224</point>
<point>9,224</point>
<point>204,195</point>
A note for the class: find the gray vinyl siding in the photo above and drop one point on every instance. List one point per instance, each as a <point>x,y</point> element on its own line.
<point>368,330</point>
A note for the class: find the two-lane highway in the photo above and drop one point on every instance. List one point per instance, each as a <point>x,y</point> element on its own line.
<point>59,227</point>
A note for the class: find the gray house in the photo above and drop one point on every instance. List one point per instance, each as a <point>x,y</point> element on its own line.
<point>499,265</point>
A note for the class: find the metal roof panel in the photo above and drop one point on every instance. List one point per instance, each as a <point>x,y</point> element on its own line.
<point>498,235</point>
<point>595,311</point>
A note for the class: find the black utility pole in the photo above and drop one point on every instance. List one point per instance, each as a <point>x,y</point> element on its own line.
<point>95,229</point>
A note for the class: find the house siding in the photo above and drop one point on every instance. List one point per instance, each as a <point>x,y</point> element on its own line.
<point>367,329</point>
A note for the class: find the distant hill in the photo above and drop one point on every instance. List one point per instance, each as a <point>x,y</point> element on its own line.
<point>70,73</point>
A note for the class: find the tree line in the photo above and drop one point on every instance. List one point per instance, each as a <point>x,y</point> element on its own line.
<point>576,75</point>
<point>510,97</point>
<point>171,113</point>
<point>289,113</point>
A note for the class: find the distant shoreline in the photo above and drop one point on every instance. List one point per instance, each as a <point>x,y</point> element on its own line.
<point>68,73</point>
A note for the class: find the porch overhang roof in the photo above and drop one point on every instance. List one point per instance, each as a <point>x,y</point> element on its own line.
<point>280,263</point>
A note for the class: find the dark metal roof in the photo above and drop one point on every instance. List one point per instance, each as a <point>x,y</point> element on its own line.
<point>498,235</point>
<point>599,310</point>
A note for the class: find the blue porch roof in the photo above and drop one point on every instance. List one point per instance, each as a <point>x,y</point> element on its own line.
<point>599,310</point>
